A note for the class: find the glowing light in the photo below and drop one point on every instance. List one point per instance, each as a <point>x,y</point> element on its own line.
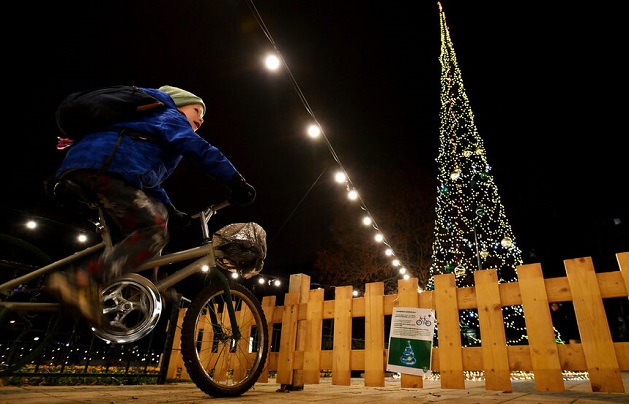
<point>205,268</point>
<point>82,238</point>
<point>388,252</point>
<point>31,224</point>
<point>340,177</point>
<point>396,263</point>
<point>506,242</point>
<point>456,174</point>
<point>367,220</point>
<point>379,237</point>
<point>234,275</point>
<point>314,131</point>
<point>261,280</point>
<point>402,271</point>
<point>277,282</point>
<point>272,62</point>
<point>352,194</point>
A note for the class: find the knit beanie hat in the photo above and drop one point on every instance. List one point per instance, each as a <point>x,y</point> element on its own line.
<point>182,97</point>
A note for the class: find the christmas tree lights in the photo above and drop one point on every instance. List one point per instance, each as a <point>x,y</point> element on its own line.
<point>471,229</point>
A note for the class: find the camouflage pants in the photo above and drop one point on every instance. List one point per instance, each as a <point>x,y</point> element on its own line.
<point>140,219</point>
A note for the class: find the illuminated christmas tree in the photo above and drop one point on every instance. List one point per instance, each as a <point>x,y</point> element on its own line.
<point>471,229</point>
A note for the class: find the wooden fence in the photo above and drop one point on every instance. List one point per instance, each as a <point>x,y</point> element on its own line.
<point>300,358</point>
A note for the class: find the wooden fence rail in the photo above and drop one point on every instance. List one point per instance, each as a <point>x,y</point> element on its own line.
<point>300,358</point>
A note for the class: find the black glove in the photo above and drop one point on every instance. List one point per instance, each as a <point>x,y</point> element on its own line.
<point>177,219</point>
<point>242,193</point>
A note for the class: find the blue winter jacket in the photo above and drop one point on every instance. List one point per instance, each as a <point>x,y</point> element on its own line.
<point>146,164</point>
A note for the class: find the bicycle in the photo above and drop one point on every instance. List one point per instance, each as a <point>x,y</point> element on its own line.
<point>224,334</point>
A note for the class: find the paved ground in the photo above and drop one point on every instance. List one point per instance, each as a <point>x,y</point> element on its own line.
<point>578,392</point>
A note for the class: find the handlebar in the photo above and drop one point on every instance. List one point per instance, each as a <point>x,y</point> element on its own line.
<point>209,211</point>
<point>206,214</point>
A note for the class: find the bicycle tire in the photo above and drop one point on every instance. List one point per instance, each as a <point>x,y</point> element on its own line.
<point>17,326</point>
<point>217,362</point>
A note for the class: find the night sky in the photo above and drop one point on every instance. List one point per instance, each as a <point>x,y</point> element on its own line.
<point>544,83</point>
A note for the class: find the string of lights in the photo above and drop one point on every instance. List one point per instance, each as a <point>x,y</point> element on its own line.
<point>274,62</point>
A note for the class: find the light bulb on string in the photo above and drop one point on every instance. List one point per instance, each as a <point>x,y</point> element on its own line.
<point>340,177</point>
<point>272,62</point>
<point>314,131</point>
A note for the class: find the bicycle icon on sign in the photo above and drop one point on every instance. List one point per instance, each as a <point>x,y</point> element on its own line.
<point>423,321</point>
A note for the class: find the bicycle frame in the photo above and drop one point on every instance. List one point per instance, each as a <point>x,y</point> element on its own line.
<point>205,256</point>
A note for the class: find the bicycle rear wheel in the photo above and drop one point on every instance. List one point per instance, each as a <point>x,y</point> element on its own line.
<point>26,332</point>
<point>219,362</point>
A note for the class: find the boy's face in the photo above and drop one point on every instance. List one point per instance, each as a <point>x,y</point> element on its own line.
<point>194,113</point>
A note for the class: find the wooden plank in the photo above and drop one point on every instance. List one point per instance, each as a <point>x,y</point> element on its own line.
<point>299,283</point>
<point>268,305</point>
<point>492,333</point>
<point>327,359</point>
<point>519,358</point>
<point>466,298</point>
<point>426,299</point>
<point>571,357</point>
<point>175,364</point>
<point>409,297</point>
<point>287,339</point>
<point>623,264</point>
<point>244,318</point>
<point>447,314</point>
<point>622,353</point>
<point>221,359</point>
<point>314,329</point>
<point>374,334</point>
<point>472,358</point>
<point>390,301</point>
<point>342,345</point>
<point>358,307</point>
<point>603,369</point>
<point>539,325</point>
<point>357,359</point>
<point>510,294</point>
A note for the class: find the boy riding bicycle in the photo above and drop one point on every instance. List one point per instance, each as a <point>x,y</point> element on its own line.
<point>127,184</point>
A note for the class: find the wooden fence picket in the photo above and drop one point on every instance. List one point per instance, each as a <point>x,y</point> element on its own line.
<point>542,345</point>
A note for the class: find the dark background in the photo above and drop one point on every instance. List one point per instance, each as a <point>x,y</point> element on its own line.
<point>545,82</point>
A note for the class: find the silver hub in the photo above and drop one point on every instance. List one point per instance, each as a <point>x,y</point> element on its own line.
<point>132,306</point>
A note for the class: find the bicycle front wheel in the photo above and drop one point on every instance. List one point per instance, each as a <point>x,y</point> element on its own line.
<point>219,360</point>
